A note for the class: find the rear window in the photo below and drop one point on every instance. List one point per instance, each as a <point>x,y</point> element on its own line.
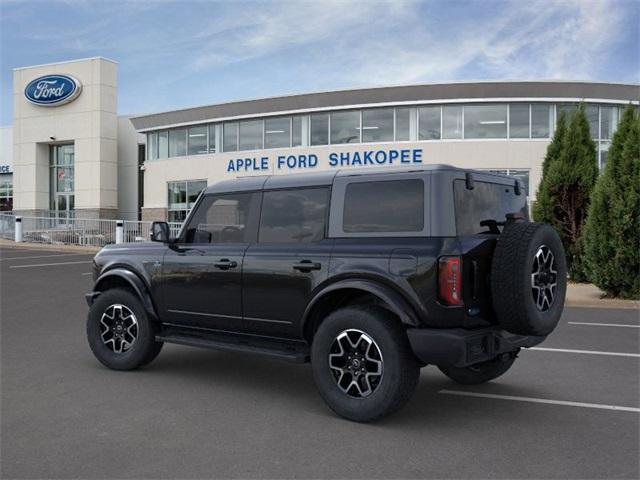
<point>384,206</point>
<point>487,201</point>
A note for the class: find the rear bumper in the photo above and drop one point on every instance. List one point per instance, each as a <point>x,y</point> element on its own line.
<point>457,347</point>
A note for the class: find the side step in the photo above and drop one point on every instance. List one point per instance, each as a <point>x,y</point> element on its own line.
<point>295,352</point>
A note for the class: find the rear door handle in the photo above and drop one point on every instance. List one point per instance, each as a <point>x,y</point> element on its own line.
<point>306,266</point>
<point>225,264</point>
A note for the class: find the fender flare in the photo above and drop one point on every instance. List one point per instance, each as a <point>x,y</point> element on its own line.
<point>134,281</point>
<point>396,302</point>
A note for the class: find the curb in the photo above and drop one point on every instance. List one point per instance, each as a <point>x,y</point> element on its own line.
<point>46,246</point>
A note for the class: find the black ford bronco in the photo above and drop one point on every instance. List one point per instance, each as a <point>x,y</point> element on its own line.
<point>370,275</point>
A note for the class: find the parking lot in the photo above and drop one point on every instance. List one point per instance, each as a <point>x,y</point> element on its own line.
<point>569,409</point>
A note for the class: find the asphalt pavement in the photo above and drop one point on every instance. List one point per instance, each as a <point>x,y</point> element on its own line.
<point>570,409</point>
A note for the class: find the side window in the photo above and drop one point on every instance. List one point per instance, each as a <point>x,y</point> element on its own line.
<point>227,218</point>
<point>487,201</point>
<point>293,216</point>
<point>384,206</point>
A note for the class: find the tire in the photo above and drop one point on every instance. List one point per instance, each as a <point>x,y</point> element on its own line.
<point>528,278</point>
<point>482,372</point>
<point>116,306</point>
<point>387,351</point>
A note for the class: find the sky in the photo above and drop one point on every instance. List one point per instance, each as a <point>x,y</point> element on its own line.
<point>176,54</point>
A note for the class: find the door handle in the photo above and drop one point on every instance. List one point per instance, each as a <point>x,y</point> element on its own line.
<point>225,264</point>
<point>306,266</point>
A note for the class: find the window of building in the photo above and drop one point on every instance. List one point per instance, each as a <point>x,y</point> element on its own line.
<point>61,183</point>
<point>568,109</point>
<point>178,142</point>
<point>230,137</point>
<point>452,121</point>
<point>604,153</point>
<point>227,218</point>
<point>403,124</point>
<point>197,140</point>
<point>294,216</point>
<point>277,132</point>
<point>181,198</point>
<point>6,192</point>
<point>485,121</point>
<point>296,131</point>
<point>320,129</point>
<point>163,144</point>
<point>608,122</point>
<point>377,125</point>
<point>384,206</point>
<point>592,116</point>
<point>212,138</point>
<point>345,127</point>
<point>541,120</point>
<point>152,146</point>
<point>520,173</point>
<point>487,201</point>
<point>429,123</point>
<point>251,135</point>
<point>519,120</point>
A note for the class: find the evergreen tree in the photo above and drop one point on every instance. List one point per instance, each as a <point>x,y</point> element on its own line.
<point>570,181</point>
<point>543,206</point>
<point>612,233</point>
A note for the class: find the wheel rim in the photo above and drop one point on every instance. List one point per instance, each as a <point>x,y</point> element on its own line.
<point>544,278</point>
<point>356,363</point>
<point>118,328</point>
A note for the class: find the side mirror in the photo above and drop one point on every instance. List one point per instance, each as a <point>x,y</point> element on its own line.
<point>160,232</point>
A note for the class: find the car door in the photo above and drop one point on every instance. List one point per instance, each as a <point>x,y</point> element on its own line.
<point>202,271</point>
<point>290,259</point>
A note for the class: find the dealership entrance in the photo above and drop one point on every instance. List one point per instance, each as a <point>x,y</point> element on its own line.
<point>61,183</point>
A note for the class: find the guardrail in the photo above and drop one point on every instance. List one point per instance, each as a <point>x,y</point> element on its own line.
<point>76,231</point>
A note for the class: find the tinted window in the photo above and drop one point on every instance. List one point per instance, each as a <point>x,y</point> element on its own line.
<point>197,140</point>
<point>277,132</point>
<point>452,121</point>
<point>320,129</point>
<point>377,125</point>
<point>487,201</point>
<point>384,206</point>
<point>403,122</point>
<point>345,127</point>
<point>251,135</point>
<point>178,142</point>
<point>294,216</point>
<point>429,126</point>
<point>229,218</point>
<point>485,121</point>
<point>230,137</point>
<point>519,120</point>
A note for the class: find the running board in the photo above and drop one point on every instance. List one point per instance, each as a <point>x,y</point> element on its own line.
<point>279,350</point>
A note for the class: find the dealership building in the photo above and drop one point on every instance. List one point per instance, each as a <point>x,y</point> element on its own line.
<point>69,151</point>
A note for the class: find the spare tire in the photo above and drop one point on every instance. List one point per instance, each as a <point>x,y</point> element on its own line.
<point>528,278</point>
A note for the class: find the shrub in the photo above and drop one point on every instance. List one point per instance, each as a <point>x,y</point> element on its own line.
<point>612,233</point>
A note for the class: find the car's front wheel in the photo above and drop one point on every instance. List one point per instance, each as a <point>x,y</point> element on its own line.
<point>362,363</point>
<point>119,331</point>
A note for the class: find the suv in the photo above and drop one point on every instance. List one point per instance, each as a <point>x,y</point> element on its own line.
<point>369,275</point>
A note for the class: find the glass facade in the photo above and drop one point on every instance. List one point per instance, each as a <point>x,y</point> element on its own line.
<point>6,192</point>
<point>429,123</point>
<point>61,179</point>
<point>181,198</point>
<point>377,125</point>
<point>345,127</point>
<point>474,121</point>
<point>485,121</point>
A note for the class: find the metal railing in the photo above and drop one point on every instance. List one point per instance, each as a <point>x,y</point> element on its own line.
<point>78,231</point>
<point>7,226</point>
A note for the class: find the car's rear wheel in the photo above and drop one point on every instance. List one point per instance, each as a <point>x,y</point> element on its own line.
<point>119,331</point>
<point>362,363</point>
<point>481,372</point>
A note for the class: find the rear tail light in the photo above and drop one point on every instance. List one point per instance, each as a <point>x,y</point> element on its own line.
<point>450,280</point>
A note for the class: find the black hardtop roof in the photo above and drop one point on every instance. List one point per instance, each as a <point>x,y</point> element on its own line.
<point>315,179</point>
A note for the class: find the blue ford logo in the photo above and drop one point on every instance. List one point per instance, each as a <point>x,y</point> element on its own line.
<point>53,90</point>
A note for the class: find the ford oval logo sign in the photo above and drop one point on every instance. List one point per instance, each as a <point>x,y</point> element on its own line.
<point>53,90</point>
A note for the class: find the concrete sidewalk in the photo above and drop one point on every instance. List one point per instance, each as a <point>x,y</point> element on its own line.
<point>578,294</point>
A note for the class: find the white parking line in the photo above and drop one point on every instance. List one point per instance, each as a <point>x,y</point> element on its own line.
<point>604,324</point>
<point>541,400</point>
<point>87,273</point>
<point>591,352</point>
<point>44,256</point>
<point>49,264</point>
